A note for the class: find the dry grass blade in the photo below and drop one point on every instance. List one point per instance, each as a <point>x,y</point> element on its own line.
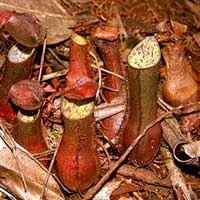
<point>99,74</point>
<point>54,75</point>
<point>42,59</point>
<point>107,71</point>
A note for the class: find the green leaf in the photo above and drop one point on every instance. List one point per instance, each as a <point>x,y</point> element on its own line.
<point>56,133</point>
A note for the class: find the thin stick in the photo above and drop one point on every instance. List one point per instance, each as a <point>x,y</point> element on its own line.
<point>109,88</point>
<point>99,74</point>
<point>107,71</point>
<point>54,75</point>
<point>42,59</point>
<point>105,151</point>
<point>57,58</point>
<point>42,154</point>
<point>91,192</point>
<point>49,171</point>
<point>165,106</point>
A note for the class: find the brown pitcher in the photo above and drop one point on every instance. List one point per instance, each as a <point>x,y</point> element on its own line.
<point>143,85</point>
<point>179,87</point>
<point>77,159</point>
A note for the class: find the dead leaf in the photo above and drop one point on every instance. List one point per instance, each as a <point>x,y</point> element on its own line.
<point>57,21</point>
<point>192,149</point>
<point>34,174</point>
<point>179,28</point>
<point>107,190</point>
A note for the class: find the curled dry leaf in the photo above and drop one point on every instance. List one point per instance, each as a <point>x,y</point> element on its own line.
<point>192,149</point>
<point>26,94</point>
<point>171,131</point>
<point>171,26</point>
<point>12,181</point>
<point>174,138</point>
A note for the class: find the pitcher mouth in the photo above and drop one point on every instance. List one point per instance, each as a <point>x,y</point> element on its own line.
<point>145,54</point>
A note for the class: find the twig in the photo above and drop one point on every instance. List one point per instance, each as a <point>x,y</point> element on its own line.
<point>57,58</point>
<point>165,106</point>
<point>105,151</point>
<point>107,71</point>
<point>108,109</point>
<point>42,59</point>
<point>42,154</point>
<point>91,192</point>
<point>153,10</point>
<point>143,175</point>
<point>54,75</point>
<point>187,108</point>
<point>111,89</point>
<point>99,74</point>
<point>49,171</point>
